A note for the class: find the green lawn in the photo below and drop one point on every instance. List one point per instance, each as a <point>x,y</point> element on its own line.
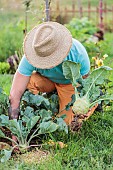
<point>90,149</point>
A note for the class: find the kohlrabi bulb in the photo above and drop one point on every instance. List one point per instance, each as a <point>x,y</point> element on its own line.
<point>81,106</point>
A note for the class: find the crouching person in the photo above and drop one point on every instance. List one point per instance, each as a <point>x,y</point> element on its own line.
<point>46,47</point>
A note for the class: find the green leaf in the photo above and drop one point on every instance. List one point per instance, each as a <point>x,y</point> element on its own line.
<point>35,100</point>
<point>62,125</point>
<point>44,113</point>
<point>54,102</point>
<point>46,119</point>
<point>32,122</point>
<point>54,98</point>
<point>47,127</point>
<point>4,120</point>
<point>71,70</point>
<point>71,103</point>
<point>28,111</point>
<point>97,77</point>
<point>106,97</point>
<point>54,107</point>
<point>63,116</point>
<point>6,155</point>
<point>15,128</point>
<point>1,134</point>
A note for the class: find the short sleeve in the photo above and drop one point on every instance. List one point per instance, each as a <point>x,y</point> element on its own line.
<point>85,64</point>
<point>79,54</point>
<point>25,68</point>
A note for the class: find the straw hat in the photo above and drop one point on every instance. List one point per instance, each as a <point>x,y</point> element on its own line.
<point>47,44</point>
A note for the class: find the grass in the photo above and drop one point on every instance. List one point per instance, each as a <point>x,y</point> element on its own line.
<point>90,149</point>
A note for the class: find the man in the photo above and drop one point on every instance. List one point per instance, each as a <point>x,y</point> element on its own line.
<point>46,47</point>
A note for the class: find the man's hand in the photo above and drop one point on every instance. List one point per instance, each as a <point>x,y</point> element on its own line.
<point>85,76</point>
<point>77,122</point>
<point>13,113</point>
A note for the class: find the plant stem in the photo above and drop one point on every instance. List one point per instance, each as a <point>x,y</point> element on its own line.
<point>34,146</point>
<point>10,140</point>
<point>22,139</point>
<point>93,83</point>
<point>32,136</point>
<point>92,104</point>
<point>76,93</point>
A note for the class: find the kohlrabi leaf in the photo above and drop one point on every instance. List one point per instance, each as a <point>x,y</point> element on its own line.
<point>67,107</point>
<point>1,134</point>
<point>97,77</point>
<point>4,120</point>
<point>29,112</point>
<point>46,119</point>
<point>44,113</point>
<point>71,70</point>
<point>106,97</point>
<point>32,122</point>
<point>54,103</point>
<point>15,127</point>
<point>94,93</point>
<point>35,100</point>
<point>62,125</point>
<point>47,127</point>
<point>6,155</point>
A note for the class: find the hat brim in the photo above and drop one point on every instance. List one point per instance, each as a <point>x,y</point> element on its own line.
<point>59,54</point>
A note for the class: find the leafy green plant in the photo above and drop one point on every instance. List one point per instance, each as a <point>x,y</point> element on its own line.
<point>81,29</point>
<point>3,102</point>
<point>36,118</point>
<point>11,38</point>
<point>84,25</point>
<point>90,91</point>
<point>4,67</point>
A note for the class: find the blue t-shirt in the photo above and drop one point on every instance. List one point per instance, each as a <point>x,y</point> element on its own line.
<point>77,54</point>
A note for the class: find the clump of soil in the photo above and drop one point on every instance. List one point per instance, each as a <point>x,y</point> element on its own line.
<point>4,145</point>
<point>34,157</point>
<point>76,124</point>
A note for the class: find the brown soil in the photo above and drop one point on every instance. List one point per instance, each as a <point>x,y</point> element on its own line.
<point>34,157</point>
<point>76,124</point>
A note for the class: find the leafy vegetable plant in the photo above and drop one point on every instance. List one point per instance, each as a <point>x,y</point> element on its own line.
<point>87,95</point>
<point>3,102</point>
<point>36,118</point>
<point>4,68</point>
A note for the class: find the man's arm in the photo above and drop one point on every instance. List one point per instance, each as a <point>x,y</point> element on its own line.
<point>19,85</point>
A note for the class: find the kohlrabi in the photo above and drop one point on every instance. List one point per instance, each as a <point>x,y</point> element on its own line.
<point>89,94</point>
<point>36,118</point>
